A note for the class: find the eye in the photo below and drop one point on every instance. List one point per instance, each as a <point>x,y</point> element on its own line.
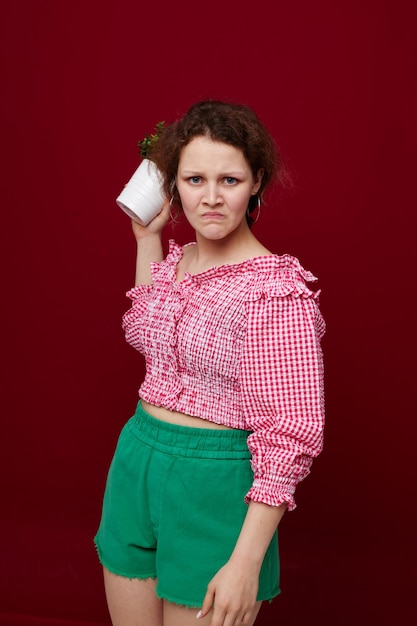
<point>230,180</point>
<point>194,180</point>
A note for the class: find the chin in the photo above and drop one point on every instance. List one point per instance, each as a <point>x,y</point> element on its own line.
<point>214,233</point>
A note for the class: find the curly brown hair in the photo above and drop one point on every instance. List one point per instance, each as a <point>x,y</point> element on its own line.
<point>231,123</point>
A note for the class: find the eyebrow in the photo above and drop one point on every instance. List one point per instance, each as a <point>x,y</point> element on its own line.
<point>196,172</point>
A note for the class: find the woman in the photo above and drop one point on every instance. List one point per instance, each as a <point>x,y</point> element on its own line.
<point>230,414</point>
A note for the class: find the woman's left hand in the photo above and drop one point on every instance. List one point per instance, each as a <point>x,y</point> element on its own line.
<point>232,595</point>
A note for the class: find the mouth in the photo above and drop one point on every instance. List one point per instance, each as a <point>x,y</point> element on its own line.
<point>212,215</point>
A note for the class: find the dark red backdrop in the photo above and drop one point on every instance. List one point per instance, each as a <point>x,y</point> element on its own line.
<point>82,82</point>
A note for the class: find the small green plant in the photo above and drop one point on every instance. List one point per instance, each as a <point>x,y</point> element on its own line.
<point>147,144</point>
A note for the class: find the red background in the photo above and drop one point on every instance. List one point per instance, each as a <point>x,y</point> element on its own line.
<point>81,83</point>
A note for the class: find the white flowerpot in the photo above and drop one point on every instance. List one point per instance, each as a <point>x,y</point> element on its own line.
<point>142,197</point>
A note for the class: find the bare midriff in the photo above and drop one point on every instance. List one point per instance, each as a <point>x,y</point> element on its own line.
<point>181,419</point>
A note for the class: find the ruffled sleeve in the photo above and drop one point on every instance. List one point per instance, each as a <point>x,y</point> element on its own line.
<point>282,382</point>
<point>139,296</point>
<point>162,273</point>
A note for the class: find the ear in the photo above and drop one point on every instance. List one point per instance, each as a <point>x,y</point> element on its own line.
<point>258,181</point>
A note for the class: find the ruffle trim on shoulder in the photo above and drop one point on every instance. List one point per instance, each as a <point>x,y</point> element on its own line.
<point>139,291</point>
<point>286,277</point>
<point>165,271</point>
<point>269,276</point>
<point>291,263</point>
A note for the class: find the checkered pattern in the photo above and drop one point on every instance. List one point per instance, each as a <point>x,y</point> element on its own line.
<point>238,345</point>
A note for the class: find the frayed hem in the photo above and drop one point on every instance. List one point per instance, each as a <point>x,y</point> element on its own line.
<point>195,605</point>
<point>185,603</point>
<point>117,572</point>
<point>272,598</point>
<point>128,576</point>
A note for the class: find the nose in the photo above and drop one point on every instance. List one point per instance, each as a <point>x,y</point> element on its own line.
<point>212,194</point>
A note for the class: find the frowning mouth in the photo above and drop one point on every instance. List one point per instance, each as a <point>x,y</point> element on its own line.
<point>212,215</point>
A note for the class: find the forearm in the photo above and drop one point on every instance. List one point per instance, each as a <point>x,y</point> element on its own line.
<point>149,250</point>
<point>257,531</point>
<point>149,245</point>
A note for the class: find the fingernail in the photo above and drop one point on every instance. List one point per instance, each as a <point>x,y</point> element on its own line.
<point>198,615</point>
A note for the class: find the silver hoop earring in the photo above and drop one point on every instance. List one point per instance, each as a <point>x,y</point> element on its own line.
<point>170,213</point>
<point>253,221</point>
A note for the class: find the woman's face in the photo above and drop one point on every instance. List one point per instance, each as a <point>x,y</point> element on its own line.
<point>215,182</point>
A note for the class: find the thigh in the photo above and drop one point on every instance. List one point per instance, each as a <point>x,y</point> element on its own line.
<point>176,615</point>
<point>132,602</point>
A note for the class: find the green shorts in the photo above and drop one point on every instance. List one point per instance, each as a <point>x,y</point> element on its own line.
<point>174,506</point>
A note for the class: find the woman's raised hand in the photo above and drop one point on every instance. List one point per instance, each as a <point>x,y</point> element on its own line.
<point>155,227</point>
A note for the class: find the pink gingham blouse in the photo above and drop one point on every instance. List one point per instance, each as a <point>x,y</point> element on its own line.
<point>238,345</point>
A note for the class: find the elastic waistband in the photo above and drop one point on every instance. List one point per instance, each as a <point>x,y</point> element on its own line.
<point>188,441</point>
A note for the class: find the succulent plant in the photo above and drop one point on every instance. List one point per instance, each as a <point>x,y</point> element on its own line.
<point>148,142</point>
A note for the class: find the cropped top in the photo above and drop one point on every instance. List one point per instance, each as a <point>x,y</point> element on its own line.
<point>238,345</point>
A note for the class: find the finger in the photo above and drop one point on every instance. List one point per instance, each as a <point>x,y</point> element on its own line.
<point>229,617</point>
<point>220,618</point>
<point>207,604</point>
